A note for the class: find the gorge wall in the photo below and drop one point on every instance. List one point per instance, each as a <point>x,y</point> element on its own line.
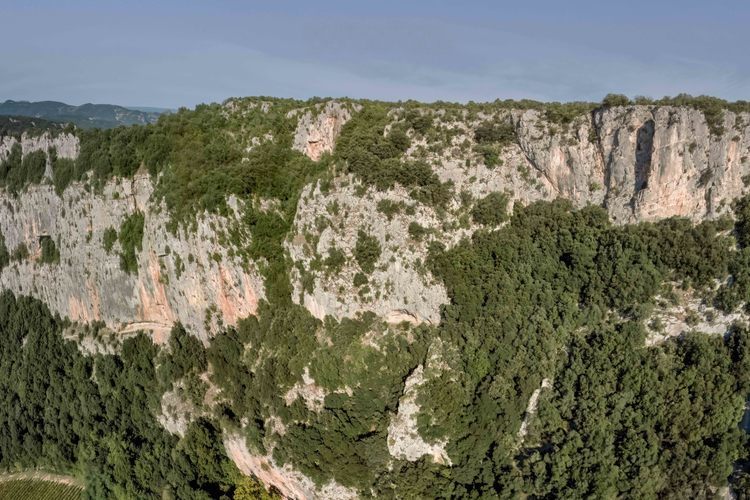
<point>352,247</point>
<point>639,162</point>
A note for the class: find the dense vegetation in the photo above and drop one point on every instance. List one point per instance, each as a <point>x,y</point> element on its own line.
<point>17,171</point>
<point>131,241</point>
<point>94,416</point>
<point>15,126</point>
<point>4,254</point>
<point>491,210</point>
<point>366,251</point>
<point>532,300</point>
<point>624,421</point>
<point>525,300</point>
<point>376,158</point>
<point>49,252</point>
<point>547,293</point>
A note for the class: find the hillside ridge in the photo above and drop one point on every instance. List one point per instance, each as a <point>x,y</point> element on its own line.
<point>330,245</point>
<point>85,115</point>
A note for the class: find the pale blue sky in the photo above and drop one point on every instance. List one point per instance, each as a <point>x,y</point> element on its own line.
<point>182,52</point>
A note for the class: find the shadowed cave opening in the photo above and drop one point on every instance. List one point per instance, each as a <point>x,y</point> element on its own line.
<point>643,151</point>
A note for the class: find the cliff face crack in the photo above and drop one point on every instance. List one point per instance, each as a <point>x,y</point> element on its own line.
<point>644,148</point>
<point>542,171</point>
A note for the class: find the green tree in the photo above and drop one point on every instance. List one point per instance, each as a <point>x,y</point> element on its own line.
<point>131,238</point>
<point>492,210</point>
<point>366,251</point>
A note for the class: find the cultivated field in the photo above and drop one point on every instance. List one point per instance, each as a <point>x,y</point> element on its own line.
<point>12,488</point>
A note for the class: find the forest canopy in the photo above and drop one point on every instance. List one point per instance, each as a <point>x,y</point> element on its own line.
<point>546,302</point>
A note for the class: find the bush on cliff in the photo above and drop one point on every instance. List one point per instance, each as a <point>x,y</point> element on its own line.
<point>131,238</point>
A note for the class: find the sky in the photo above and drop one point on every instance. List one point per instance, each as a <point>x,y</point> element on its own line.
<point>172,53</point>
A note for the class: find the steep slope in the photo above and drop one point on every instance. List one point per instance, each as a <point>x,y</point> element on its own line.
<point>186,277</point>
<point>376,280</point>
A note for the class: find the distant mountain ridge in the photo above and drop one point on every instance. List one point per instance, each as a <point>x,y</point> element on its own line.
<point>85,116</point>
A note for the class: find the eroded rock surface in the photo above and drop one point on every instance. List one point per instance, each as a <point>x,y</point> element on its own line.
<point>641,163</point>
<point>65,145</point>
<point>188,277</point>
<point>399,289</point>
<point>664,161</point>
<point>291,483</point>
<point>404,440</point>
<point>318,128</point>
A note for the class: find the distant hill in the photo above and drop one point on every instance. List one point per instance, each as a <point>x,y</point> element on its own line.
<point>85,116</point>
<point>151,109</point>
<point>16,125</point>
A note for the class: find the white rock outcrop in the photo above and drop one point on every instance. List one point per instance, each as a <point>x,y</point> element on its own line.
<point>318,128</point>
<point>66,145</point>
<point>291,483</point>
<point>189,277</point>
<point>401,289</point>
<point>404,441</point>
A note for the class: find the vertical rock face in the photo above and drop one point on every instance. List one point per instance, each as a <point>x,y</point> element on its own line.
<point>662,162</point>
<point>569,160</point>
<point>318,128</point>
<point>66,145</point>
<point>398,289</point>
<point>640,162</point>
<point>187,277</point>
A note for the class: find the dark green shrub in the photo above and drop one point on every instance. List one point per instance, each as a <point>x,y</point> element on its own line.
<point>492,132</point>
<point>366,251</point>
<point>335,260</point>
<point>421,123</point>
<point>4,255</point>
<point>399,139</point>
<point>109,238</point>
<point>741,209</point>
<point>63,172</point>
<point>489,153</point>
<point>491,210</point>
<point>18,170</point>
<point>614,100</point>
<point>186,355</point>
<point>360,279</point>
<point>21,252</point>
<point>50,254</point>
<point>389,208</point>
<point>131,238</point>
<point>416,230</point>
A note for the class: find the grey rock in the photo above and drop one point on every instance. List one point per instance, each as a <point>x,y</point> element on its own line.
<point>88,284</point>
<point>318,128</point>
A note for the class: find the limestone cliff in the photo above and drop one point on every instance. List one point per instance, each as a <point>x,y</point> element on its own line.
<point>317,129</point>
<point>640,162</point>
<point>187,277</point>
